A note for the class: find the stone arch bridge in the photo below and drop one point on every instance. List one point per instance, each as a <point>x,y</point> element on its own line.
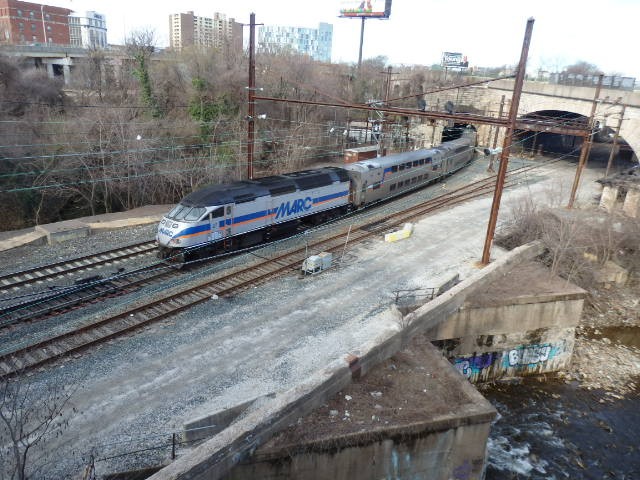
<point>537,96</point>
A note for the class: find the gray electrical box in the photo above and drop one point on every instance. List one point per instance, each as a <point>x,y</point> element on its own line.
<point>317,263</point>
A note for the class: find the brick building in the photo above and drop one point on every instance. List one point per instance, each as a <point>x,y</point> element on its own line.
<point>27,23</point>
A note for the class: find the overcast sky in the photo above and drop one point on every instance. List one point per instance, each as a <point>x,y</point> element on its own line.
<point>488,32</point>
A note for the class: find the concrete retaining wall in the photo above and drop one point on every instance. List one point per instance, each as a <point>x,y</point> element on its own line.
<point>454,453</point>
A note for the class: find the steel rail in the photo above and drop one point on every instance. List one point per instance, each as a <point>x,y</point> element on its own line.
<point>50,271</point>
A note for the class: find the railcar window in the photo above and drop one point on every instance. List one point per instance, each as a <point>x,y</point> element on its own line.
<point>414,180</point>
<point>421,161</point>
<point>229,210</point>
<point>402,167</point>
<point>420,177</point>
<point>399,184</point>
<point>218,212</point>
<point>416,163</point>
<point>392,187</point>
<point>394,169</point>
<point>428,160</point>
<point>194,214</point>
<point>407,165</point>
<point>435,167</point>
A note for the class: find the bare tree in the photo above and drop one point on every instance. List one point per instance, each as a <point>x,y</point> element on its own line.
<point>141,45</point>
<point>583,68</point>
<point>30,414</point>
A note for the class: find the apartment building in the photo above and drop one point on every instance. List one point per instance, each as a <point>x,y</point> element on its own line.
<point>187,29</point>
<point>88,29</point>
<point>315,42</point>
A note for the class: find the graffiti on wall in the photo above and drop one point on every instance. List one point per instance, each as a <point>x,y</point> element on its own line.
<point>521,357</point>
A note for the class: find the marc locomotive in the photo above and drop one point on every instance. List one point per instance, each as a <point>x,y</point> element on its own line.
<point>229,216</point>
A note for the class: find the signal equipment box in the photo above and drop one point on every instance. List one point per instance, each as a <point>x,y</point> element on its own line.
<point>317,263</point>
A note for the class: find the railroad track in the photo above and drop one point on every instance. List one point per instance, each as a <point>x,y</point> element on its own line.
<point>77,296</point>
<point>45,350</point>
<point>16,280</point>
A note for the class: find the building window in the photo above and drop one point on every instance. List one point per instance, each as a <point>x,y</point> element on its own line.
<point>32,15</point>
<point>33,27</point>
<point>19,12</point>
<point>48,28</point>
<point>47,16</point>
<point>21,26</point>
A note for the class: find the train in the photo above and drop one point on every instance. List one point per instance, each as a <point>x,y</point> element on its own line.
<point>225,217</point>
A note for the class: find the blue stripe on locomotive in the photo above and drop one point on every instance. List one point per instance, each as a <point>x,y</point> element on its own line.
<point>205,228</point>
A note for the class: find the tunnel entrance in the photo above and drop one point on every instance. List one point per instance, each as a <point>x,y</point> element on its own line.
<point>568,146</point>
<point>454,132</point>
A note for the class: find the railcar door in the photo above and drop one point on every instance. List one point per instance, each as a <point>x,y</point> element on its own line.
<point>216,223</point>
<point>228,221</point>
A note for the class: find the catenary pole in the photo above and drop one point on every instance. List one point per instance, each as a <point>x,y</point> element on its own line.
<point>586,145</point>
<point>504,157</point>
<point>615,142</point>
<point>251,95</point>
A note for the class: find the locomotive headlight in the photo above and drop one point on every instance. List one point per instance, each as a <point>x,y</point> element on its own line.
<point>174,241</point>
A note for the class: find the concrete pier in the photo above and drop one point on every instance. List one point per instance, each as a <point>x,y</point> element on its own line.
<point>522,323</point>
<point>412,416</point>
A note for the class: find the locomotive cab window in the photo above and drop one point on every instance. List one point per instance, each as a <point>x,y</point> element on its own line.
<point>177,212</point>
<point>194,214</point>
<point>218,212</point>
<point>229,210</point>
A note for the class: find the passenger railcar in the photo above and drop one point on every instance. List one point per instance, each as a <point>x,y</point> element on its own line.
<point>383,177</point>
<point>241,214</point>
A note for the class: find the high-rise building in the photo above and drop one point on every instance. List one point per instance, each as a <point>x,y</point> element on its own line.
<point>187,29</point>
<point>315,42</point>
<point>26,23</point>
<point>88,29</point>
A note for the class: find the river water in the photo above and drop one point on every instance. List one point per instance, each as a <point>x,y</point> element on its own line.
<point>561,431</point>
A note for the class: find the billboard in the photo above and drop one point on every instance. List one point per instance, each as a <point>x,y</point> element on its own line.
<point>454,60</point>
<point>365,8</point>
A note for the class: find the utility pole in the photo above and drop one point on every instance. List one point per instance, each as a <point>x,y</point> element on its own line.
<point>504,157</point>
<point>586,145</point>
<point>361,42</point>
<point>251,114</point>
<point>383,124</point>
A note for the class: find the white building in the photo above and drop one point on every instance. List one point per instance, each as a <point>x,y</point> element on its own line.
<point>315,42</point>
<point>88,29</point>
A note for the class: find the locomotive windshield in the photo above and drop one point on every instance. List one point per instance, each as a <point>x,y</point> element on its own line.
<point>187,214</point>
